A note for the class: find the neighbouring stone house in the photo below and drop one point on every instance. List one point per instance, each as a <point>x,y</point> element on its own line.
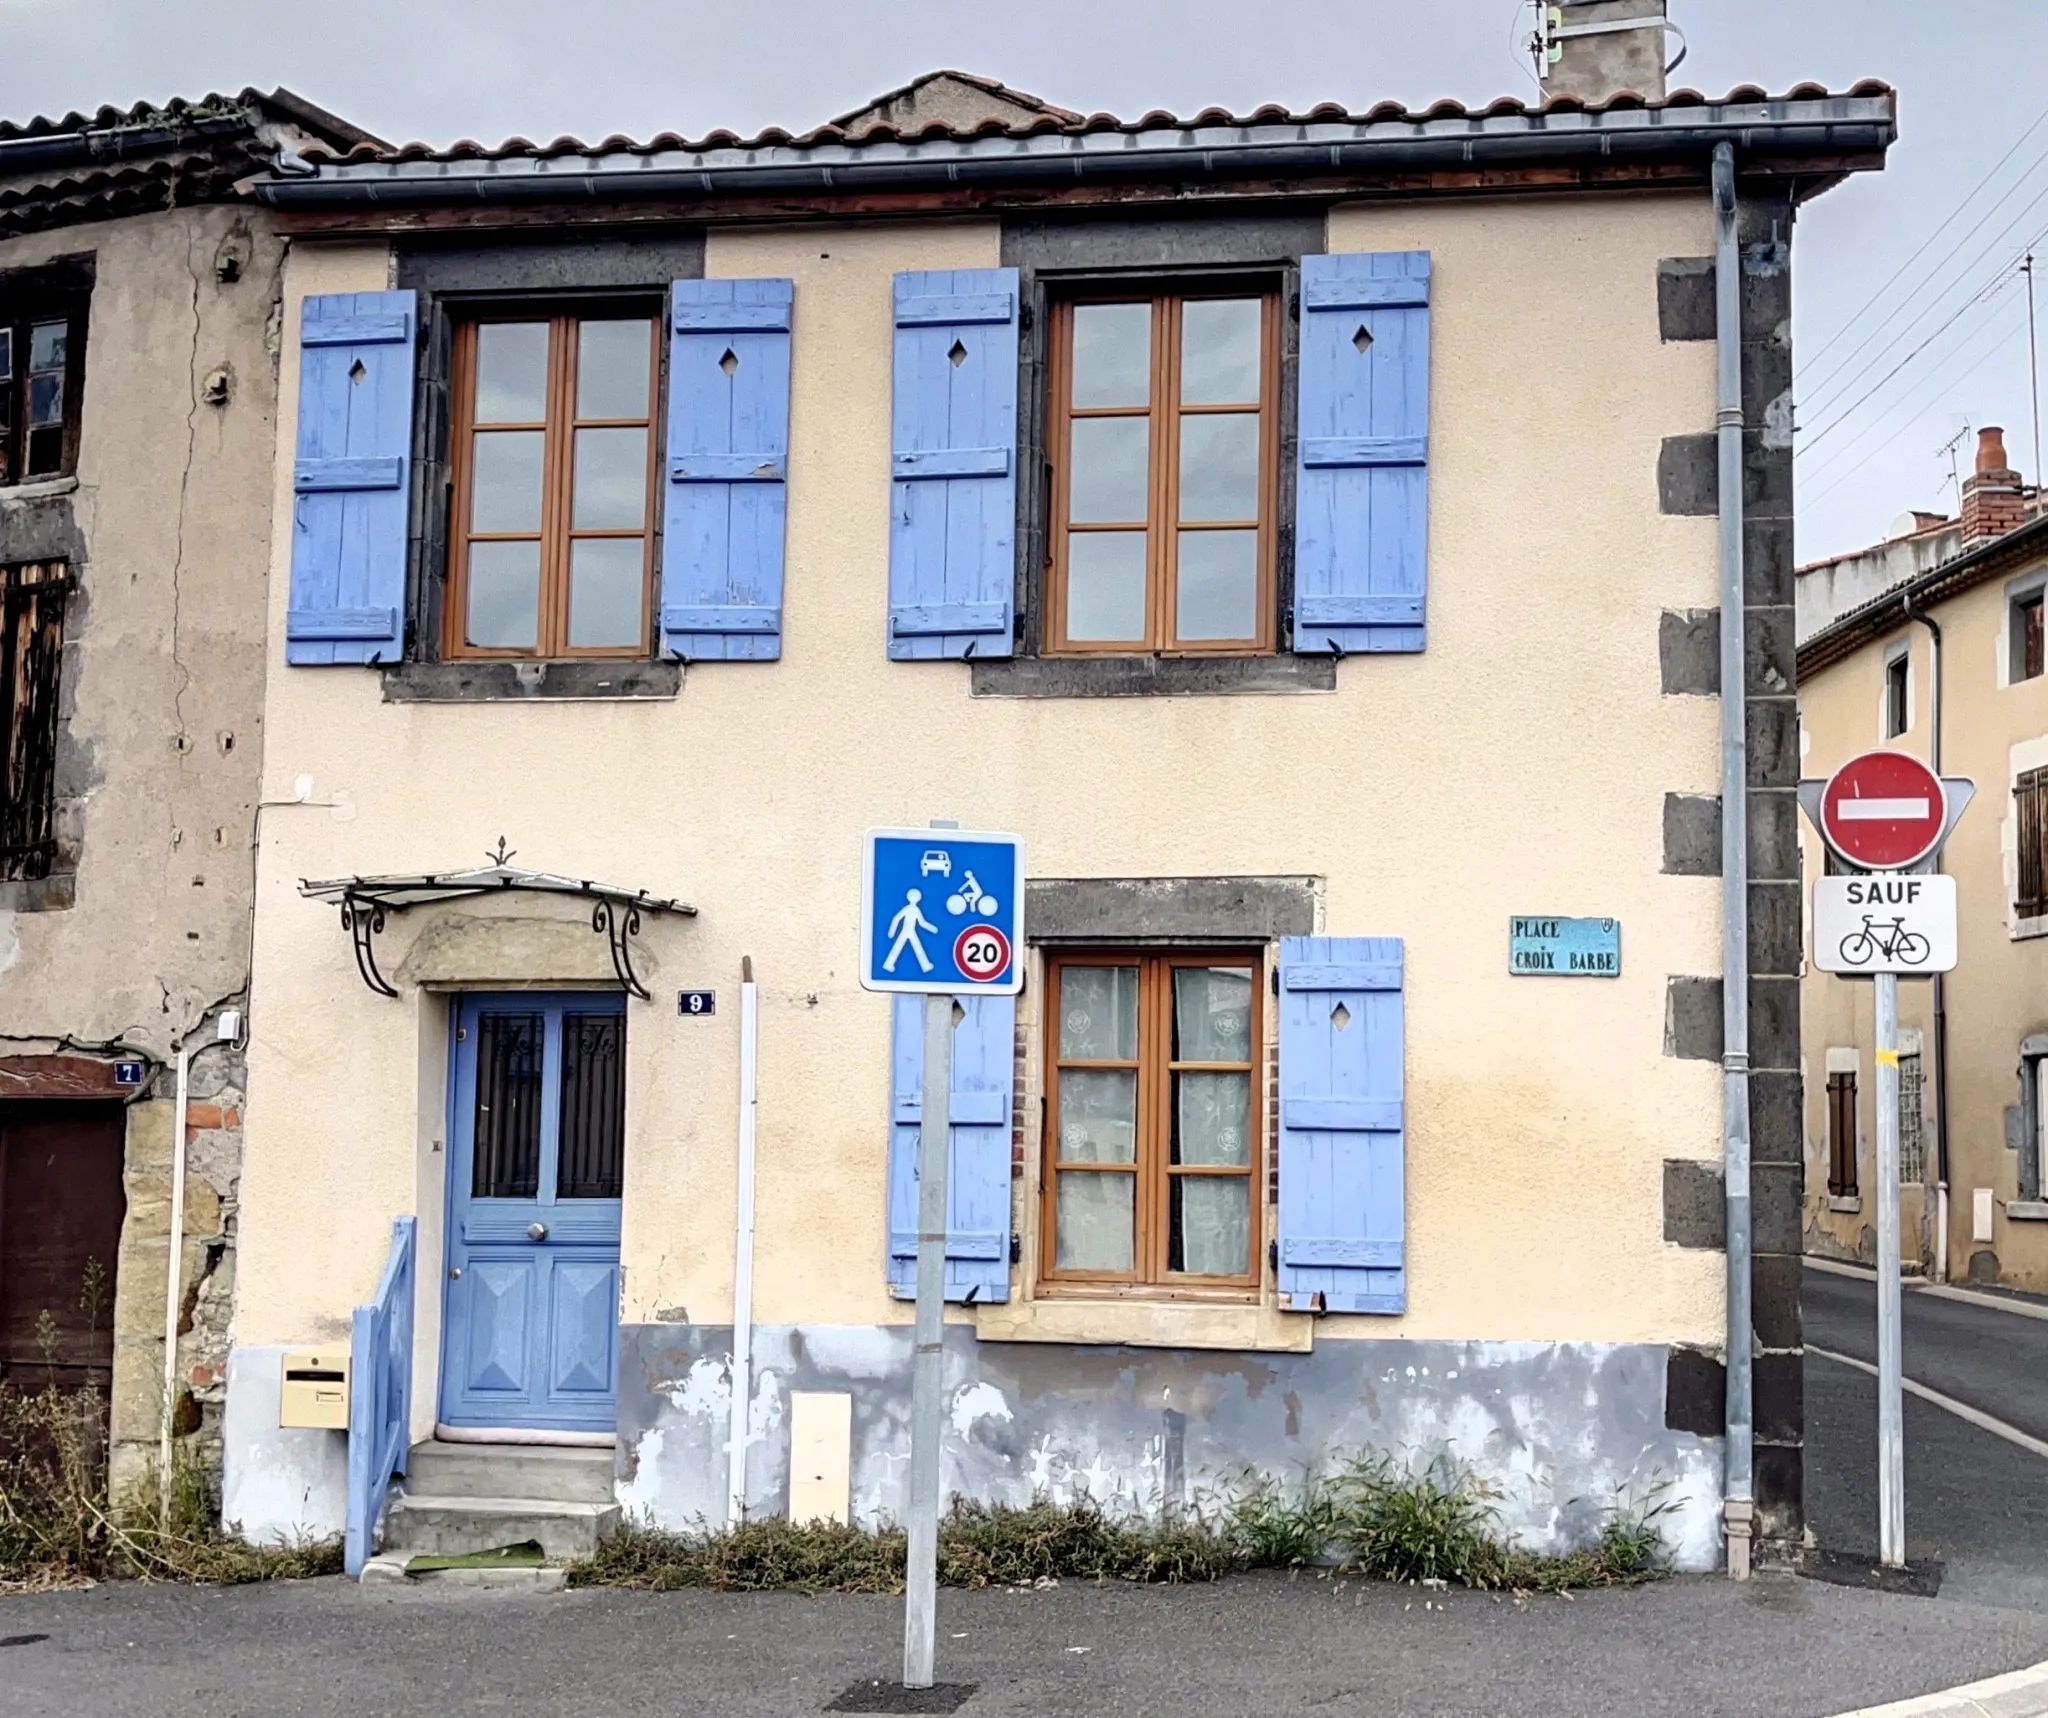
<point>139,348</point>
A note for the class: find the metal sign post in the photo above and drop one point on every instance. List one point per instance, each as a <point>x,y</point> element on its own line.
<point>934,1131</point>
<point>1887,814</point>
<point>942,914</point>
<point>1891,1438</point>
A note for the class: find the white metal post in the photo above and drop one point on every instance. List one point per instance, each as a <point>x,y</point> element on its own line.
<point>743,1256</point>
<point>1891,1466</point>
<point>920,1592</point>
<point>174,1268</point>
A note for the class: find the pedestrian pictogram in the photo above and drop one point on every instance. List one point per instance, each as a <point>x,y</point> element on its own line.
<point>942,911</point>
<point>1884,811</point>
<point>903,929</point>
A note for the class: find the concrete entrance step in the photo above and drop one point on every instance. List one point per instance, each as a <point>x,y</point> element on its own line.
<point>538,1471</point>
<point>389,1566</point>
<point>427,1523</point>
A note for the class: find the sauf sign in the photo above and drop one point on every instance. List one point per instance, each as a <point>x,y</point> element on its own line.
<point>1884,923</point>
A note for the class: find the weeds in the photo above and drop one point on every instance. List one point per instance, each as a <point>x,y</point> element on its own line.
<point>980,1545</point>
<point>1436,1524</point>
<point>58,1525</point>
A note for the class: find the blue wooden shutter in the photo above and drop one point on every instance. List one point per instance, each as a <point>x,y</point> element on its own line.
<point>978,1186</point>
<point>352,480</point>
<point>1361,518</point>
<point>953,501</point>
<point>1341,1214</point>
<point>728,469</point>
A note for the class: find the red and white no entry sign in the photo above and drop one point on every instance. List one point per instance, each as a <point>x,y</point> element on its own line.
<point>1883,811</point>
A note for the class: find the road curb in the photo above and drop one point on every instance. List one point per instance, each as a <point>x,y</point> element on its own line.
<point>2017,1694</point>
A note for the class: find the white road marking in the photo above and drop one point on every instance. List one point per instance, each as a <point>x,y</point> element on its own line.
<point>1962,1410</point>
<point>1941,1291</point>
<point>1881,810</point>
<point>2017,1692</point>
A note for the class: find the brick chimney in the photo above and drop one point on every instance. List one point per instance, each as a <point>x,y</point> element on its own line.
<point>1993,500</point>
<point>1607,46</point>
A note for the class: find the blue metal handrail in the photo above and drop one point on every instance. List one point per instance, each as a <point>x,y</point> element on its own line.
<point>380,1395</point>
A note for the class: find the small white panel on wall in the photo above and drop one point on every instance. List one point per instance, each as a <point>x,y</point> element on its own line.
<point>820,1455</point>
<point>1980,1213</point>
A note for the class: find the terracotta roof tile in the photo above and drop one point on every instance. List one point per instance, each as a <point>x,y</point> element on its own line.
<point>1060,120</point>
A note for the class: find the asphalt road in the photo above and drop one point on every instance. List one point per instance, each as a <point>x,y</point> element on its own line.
<point>1698,1647</point>
<point>1687,1648</point>
<point>1975,1501</point>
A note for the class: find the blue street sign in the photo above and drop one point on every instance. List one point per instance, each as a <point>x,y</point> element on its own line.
<point>1564,948</point>
<point>942,910</point>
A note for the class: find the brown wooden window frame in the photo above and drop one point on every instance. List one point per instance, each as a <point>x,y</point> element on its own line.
<point>2030,823</point>
<point>19,319</point>
<point>557,529</point>
<point>1842,1134</point>
<point>1163,525</point>
<point>1154,1065</point>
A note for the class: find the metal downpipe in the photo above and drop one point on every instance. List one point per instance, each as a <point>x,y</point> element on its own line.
<point>1739,1496</point>
<point>1941,1271</point>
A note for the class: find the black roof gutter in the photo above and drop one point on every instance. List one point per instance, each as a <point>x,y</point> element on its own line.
<point>1051,160</point>
<point>88,148</point>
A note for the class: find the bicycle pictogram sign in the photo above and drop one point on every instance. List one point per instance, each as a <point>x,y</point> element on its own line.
<point>1886,922</point>
<point>1891,940</point>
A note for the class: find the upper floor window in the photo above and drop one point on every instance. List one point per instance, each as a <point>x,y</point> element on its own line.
<point>1897,710</point>
<point>1153,1120</point>
<point>2024,629</point>
<point>42,376</point>
<point>1164,448</point>
<point>2030,818</point>
<point>552,522</point>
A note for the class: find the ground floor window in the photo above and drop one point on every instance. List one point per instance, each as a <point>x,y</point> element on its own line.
<point>1842,1134</point>
<point>1152,1119</point>
<point>1912,1135</point>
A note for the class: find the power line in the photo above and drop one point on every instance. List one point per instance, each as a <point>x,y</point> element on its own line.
<point>1925,392</point>
<point>1849,411</point>
<point>1953,215</point>
<point>1933,305</point>
<point>1849,468</point>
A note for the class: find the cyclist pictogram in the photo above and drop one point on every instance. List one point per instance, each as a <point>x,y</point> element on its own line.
<point>1889,940</point>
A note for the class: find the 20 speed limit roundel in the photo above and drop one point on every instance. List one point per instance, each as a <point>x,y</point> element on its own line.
<point>982,952</point>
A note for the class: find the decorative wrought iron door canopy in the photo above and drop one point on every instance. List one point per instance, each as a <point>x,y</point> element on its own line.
<point>615,914</point>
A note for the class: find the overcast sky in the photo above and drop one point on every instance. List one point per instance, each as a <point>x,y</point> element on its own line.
<point>1969,76</point>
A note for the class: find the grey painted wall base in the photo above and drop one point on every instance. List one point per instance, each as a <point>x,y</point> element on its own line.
<point>277,1483</point>
<point>1561,1428</point>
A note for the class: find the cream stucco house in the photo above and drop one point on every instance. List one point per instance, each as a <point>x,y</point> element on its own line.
<point>1302,529</point>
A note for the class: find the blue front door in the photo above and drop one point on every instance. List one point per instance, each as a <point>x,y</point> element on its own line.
<point>535,1168</point>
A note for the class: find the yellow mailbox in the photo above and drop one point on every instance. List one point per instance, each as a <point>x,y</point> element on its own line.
<point>315,1391</point>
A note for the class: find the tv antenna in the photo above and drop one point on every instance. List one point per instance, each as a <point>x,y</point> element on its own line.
<point>1949,451</point>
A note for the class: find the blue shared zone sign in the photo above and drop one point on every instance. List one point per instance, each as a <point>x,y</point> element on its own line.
<point>943,910</point>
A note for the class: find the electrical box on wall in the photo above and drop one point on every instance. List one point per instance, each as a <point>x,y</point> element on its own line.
<point>315,1389</point>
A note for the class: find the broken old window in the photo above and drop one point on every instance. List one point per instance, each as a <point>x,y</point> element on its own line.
<point>42,375</point>
<point>31,647</point>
